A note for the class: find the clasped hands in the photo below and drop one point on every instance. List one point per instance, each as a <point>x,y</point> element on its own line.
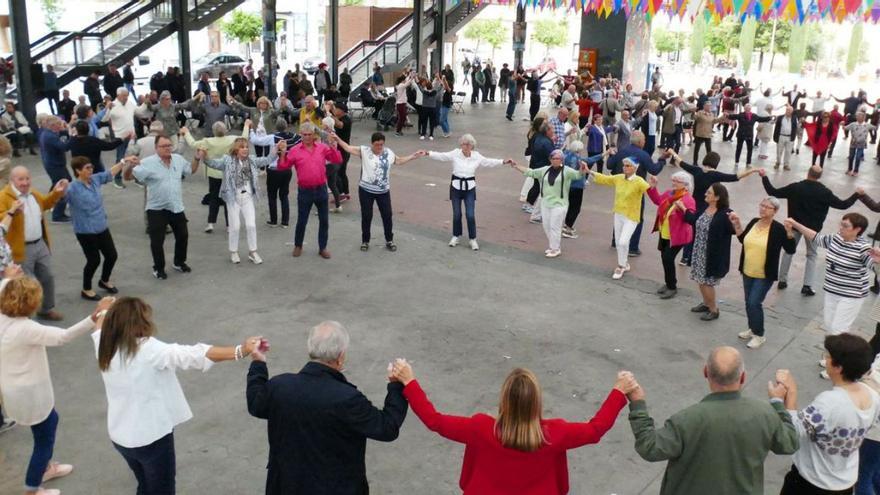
<point>783,385</point>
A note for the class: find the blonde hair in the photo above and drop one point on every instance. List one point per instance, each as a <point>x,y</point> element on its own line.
<point>573,117</point>
<point>519,412</point>
<point>265,100</point>
<point>233,150</point>
<point>5,147</point>
<point>21,297</point>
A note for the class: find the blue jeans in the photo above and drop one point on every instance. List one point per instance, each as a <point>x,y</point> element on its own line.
<point>305,198</point>
<point>444,119</point>
<point>153,465</point>
<point>44,445</point>
<point>469,197</point>
<point>511,104</point>
<point>130,88</point>
<point>755,290</point>
<point>856,155</point>
<point>56,175</point>
<point>869,468</point>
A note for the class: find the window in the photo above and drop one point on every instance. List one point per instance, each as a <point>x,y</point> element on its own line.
<point>300,37</point>
<point>233,59</point>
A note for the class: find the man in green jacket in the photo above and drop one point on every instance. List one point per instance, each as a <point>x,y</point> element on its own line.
<point>717,446</point>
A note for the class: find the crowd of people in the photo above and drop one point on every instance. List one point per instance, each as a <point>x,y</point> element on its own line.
<point>600,132</point>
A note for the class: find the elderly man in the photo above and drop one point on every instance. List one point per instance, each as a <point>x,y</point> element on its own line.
<point>785,131</point>
<point>718,445</point>
<point>120,114</point>
<point>28,236</point>
<point>162,174</point>
<point>558,125</point>
<point>704,122</point>
<point>318,422</point>
<point>309,158</point>
<point>569,98</point>
<point>217,146</point>
<point>673,124</point>
<point>622,130</point>
<point>53,151</point>
<point>214,111</point>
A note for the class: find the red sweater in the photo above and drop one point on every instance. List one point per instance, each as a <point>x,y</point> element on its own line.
<point>492,469</point>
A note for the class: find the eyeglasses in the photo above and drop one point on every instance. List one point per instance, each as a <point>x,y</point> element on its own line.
<point>762,205</point>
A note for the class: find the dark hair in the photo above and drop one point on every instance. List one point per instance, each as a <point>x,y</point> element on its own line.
<point>125,324</point>
<point>712,159</point>
<point>160,136</point>
<point>78,162</point>
<point>721,193</point>
<point>858,221</point>
<point>377,136</point>
<point>828,130</point>
<point>852,353</point>
<point>399,79</point>
<point>82,128</point>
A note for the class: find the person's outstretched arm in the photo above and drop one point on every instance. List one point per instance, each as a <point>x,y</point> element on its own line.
<point>455,428</point>
<point>654,444</point>
<point>376,424</point>
<point>258,390</point>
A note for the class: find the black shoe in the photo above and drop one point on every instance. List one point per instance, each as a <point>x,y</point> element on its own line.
<point>272,224</point>
<point>875,289</point>
<point>64,219</point>
<point>669,294</point>
<point>700,308</point>
<point>112,290</point>
<point>93,297</point>
<point>508,117</point>
<point>782,285</point>
<point>183,268</point>
<point>160,274</point>
<point>807,291</point>
<point>709,316</point>
<point>391,246</point>
<point>637,252</point>
<point>365,246</point>
<point>662,290</point>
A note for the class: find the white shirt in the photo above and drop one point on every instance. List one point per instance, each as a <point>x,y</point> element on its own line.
<point>25,382</point>
<point>785,126</point>
<point>464,167</point>
<point>760,106</point>
<point>121,117</point>
<point>819,104</point>
<point>144,398</point>
<point>652,123</point>
<point>375,170</point>
<point>33,217</point>
<point>400,93</point>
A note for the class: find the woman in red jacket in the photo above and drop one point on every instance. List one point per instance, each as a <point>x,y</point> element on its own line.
<point>675,231</point>
<point>820,135</point>
<point>519,452</point>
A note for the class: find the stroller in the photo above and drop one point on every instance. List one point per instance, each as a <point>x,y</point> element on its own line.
<point>388,114</point>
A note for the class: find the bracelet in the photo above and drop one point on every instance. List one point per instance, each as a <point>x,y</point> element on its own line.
<point>237,352</point>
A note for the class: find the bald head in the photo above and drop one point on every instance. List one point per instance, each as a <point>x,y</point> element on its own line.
<point>724,368</point>
<point>20,178</point>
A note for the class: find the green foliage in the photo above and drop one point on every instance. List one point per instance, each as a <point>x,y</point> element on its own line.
<point>723,36</point>
<point>52,11</point>
<point>855,43</point>
<point>747,42</point>
<point>797,48</point>
<point>489,30</point>
<point>698,39</point>
<point>350,3</point>
<point>780,40</point>
<point>668,41</point>
<point>815,47</point>
<point>244,26</point>
<point>551,33</point>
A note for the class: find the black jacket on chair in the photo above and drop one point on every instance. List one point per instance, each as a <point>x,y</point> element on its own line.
<point>318,428</point>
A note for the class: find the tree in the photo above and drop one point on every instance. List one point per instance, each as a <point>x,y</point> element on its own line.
<point>668,41</point>
<point>815,46</point>
<point>698,40</point>
<point>52,10</point>
<point>551,33</point>
<point>855,43</point>
<point>722,36</point>
<point>244,27</point>
<point>489,30</point>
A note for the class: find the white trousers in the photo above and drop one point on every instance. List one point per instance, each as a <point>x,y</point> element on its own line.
<point>553,217</point>
<point>840,312</point>
<point>783,150</point>
<point>527,184</point>
<point>243,204</point>
<point>623,231</point>
<point>762,147</point>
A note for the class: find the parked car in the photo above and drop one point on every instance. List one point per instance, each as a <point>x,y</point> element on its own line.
<point>214,63</point>
<point>310,65</point>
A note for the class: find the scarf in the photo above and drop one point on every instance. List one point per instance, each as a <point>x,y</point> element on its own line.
<point>664,207</point>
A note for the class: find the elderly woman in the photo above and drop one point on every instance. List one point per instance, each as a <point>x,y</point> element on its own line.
<point>144,398</point>
<point>6,153</point>
<point>762,240</point>
<point>166,112</point>
<point>25,382</point>
<point>518,452</point>
<point>710,260</point>
<point>90,223</point>
<point>833,426</point>
<point>15,126</point>
<point>264,118</point>
<point>463,187</point>
<point>675,232</point>
<point>240,190</point>
<point>628,191</point>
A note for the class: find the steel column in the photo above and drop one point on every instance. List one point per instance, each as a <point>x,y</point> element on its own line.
<point>269,39</point>
<point>334,40</point>
<point>418,14</point>
<point>21,56</point>
<point>179,13</point>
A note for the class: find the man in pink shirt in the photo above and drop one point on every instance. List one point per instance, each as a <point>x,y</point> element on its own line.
<point>309,158</point>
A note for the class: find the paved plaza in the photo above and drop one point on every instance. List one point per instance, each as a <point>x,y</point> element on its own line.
<point>463,318</point>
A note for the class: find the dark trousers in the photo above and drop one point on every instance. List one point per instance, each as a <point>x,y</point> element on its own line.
<point>305,198</point>
<point>600,164</point>
<point>262,151</point>
<point>475,91</point>
<point>157,221</point>
<point>511,105</point>
<point>821,159</point>
<point>740,141</point>
<point>401,116</point>
<point>869,468</point>
<point>755,290</point>
<point>686,253</point>
<point>672,140</point>
<point>52,97</point>
<point>667,257</point>
<point>427,121</point>
<point>534,105</point>
<point>534,192</point>
<point>153,465</point>
<point>56,175</point>
<point>699,141</point>
<point>214,201</point>
<point>469,199</point>
<point>491,92</point>
<point>795,484</point>
<point>727,132</point>
<point>383,201</point>
<point>332,172</point>
<point>94,246</point>
<point>875,340</point>
<point>575,200</point>
<point>44,446</point>
<point>650,145</point>
<point>342,174</point>
<point>278,188</point>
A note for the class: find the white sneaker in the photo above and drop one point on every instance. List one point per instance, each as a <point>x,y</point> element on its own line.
<point>569,234</point>
<point>255,258</point>
<point>618,273</point>
<point>454,241</point>
<point>338,209</point>
<point>627,268</point>
<point>824,375</point>
<point>536,219</point>
<point>431,138</point>
<point>553,253</point>
<point>235,258</point>
<point>822,363</point>
<point>474,245</point>
<point>756,341</point>
<point>746,335</point>
<point>421,138</point>
<point>209,228</point>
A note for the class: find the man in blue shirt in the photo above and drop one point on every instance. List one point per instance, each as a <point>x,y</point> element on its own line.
<point>162,174</point>
<point>53,151</point>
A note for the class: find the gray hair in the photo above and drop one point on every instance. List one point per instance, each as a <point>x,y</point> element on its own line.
<point>120,90</point>
<point>575,146</point>
<point>727,373</point>
<point>165,93</point>
<point>219,129</point>
<point>637,138</point>
<point>467,139</point>
<point>685,177</point>
<point>327,341</point>
<point>157,127</point>
<point>308,126</point>
<point>773,201</point>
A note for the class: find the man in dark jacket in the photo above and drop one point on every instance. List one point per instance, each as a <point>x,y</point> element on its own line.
<point>92,89</point>
<point>745,132</point>
<point>319,423</point>
<point>112,81</point>
<point>91,147</point>
<point>808,203</point>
